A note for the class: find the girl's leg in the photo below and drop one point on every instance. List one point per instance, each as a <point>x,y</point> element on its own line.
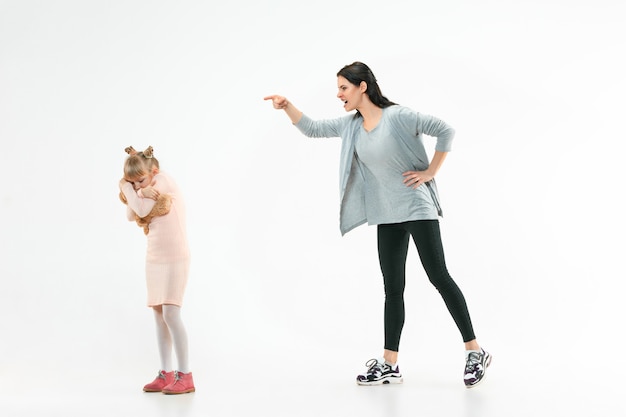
<point>393,242</point>
<point>427,237</point>
<point>171,316</point>
<point>164,339</point>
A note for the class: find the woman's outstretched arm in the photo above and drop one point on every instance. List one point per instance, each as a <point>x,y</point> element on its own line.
<point>281,103</point>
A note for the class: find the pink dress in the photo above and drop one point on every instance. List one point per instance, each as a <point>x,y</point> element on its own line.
<point>167,257</point>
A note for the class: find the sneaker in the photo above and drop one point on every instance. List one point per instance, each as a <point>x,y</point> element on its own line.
<point>476,367</point>
<point>161,381</point>
<point>182,384</point>
<point>379,373</point>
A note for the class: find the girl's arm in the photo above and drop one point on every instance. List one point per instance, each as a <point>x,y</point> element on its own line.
<point>148,192</point>
<point>130,214</point>
<point>141,206</point>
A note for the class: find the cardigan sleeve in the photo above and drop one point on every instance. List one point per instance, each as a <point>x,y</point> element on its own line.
<point>432,126</point>
<point>330,128</point>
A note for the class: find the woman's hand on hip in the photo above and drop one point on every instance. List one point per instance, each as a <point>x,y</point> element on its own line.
<point>416,178</point>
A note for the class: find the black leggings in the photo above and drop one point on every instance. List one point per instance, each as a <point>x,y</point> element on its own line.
<point>393,244</point>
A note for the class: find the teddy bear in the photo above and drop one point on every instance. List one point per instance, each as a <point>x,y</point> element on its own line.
<point>161,208</point>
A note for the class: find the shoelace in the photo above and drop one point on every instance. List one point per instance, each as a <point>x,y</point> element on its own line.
<point>374,366</point>
<point>176,377</point>
<point>473,360</point>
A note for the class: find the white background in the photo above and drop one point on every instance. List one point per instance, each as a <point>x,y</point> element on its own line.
<point>282,312</point>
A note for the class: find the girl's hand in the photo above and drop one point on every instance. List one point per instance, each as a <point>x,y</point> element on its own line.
<point>416,178</point>
<point>279,102</point>
<point>150,192</point>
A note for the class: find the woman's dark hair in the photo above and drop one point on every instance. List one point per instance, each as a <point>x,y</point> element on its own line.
<point>357,72</point>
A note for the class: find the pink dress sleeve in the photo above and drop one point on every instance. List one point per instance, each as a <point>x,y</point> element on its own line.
<point>140,206</point>
<point>130,214</point>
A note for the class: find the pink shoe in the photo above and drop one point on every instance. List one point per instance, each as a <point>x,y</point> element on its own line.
<point>162,380</point>
<point>182,384</point>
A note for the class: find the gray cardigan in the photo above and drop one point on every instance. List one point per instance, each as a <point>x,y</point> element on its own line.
<point>406,125</point>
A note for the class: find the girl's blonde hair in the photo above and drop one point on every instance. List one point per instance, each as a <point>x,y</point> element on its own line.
<point>139,164</point>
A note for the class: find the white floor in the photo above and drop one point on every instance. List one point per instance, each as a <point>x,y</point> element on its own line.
<point>290,343</point>
<point>517,385</point>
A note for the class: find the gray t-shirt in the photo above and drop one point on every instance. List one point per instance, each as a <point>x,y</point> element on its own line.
<point>382,160</point>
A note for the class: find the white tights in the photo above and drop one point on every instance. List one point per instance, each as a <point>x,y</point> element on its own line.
<point>171,332</point>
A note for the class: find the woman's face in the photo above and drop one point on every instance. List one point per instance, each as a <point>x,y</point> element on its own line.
<point>349,93</point>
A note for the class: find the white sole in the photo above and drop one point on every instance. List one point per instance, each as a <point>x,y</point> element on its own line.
<point>387,381</point>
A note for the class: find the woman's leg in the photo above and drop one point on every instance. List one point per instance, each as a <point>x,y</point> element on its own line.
<point>171,317</point>
<point>393,242</point>
<point>427,237</point>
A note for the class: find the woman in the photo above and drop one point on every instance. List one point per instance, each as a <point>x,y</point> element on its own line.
<point>387,180</point>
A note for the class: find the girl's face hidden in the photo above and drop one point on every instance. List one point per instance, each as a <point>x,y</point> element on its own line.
<point>349,93</point>
<point>142,182</point>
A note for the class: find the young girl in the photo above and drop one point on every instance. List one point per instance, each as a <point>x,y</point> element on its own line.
<point>167,264</point>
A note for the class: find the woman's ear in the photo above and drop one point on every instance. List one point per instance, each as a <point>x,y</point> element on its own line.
<point>363,86</point>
